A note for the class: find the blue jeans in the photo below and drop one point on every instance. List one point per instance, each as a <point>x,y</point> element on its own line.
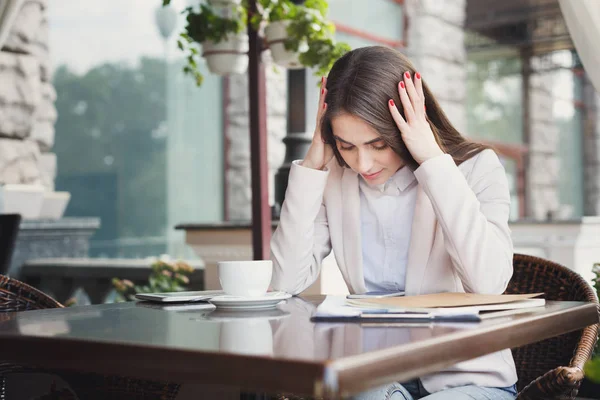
<point>414,390</point>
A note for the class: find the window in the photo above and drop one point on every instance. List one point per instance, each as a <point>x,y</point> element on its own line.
<point>137,144</point>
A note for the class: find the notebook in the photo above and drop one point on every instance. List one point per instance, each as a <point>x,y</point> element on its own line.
<point>452,300</point>
<point>448,307</point>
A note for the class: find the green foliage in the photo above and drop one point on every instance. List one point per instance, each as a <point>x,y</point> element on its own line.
<point>309,28</point>
<point>166,276</point>
<point>207,24</point>
<point>592,367</point>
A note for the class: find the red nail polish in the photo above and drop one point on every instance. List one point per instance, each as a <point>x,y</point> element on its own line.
<point>324,106</point>
<point>322,90</point>
<point>402,85</point>
<point>425,108</point>
<point>417,75</point>
<point>322,80</point>
<point>392,104</point>
<point>407,75</point>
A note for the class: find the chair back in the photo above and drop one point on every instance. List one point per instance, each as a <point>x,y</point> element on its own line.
<point>18,296</point>
<point>9,229</point>
<point>532,275</point>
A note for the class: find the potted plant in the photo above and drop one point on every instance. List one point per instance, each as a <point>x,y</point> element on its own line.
<point>280,15</point>
<point>300,35</point>
<point>591,384</point>
<point>166,276</point>
<point>221,30</point>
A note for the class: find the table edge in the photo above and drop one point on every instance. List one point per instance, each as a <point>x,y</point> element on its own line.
<point>341,375</point>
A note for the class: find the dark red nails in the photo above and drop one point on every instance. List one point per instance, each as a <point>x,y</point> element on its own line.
<point>417,75</point>
<point>322,91</point>
<point>392,104</point>
<point>402,84</point>
<point>407,75</point>
<point>324,106</point>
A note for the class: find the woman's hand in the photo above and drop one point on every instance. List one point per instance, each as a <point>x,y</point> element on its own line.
<point>319,153</point>
<point>415,130</point>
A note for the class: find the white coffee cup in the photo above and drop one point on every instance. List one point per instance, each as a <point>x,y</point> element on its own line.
<point>245,278</point>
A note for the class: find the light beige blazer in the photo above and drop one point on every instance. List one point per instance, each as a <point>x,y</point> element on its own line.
<point>460,241</point>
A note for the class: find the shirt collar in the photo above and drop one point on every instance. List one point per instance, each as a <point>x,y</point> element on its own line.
<point>403,178</point>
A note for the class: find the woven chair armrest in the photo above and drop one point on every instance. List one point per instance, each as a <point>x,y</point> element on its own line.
<point>586,346</point>
<point>560,383</point>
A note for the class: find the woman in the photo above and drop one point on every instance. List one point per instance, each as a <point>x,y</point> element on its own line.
<point>405,202</point>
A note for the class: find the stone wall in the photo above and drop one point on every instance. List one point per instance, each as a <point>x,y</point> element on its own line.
<point>435,45</point>
<point>543,168</point>
<point>27,112</point>
<point>238,180</point>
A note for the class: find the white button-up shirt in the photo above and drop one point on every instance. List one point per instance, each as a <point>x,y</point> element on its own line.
<point>386,214</point>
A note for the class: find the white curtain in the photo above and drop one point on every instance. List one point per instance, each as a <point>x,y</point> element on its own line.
<point>583,20</point>
<point>8,12</point>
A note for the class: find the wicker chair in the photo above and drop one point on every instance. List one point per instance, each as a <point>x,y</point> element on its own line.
<point>552,368</point>
<point>17,296</point>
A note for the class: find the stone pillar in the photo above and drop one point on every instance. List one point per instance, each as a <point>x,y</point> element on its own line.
<point>237,180</point>
<point>544,164</point>
<point>435,45</point>
<point>591,149</point>
<point>27,112</point>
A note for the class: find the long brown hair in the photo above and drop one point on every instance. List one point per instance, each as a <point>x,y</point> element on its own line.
<point>361,83</point>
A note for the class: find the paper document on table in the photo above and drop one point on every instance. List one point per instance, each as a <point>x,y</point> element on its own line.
<point>335,308</point>
<point>452,300</point>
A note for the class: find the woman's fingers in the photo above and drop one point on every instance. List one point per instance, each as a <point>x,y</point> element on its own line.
<point>416,100</point>
<point>409,112</point>
<point>419,87</point>
<point>322,107</point>
<point>400,122</point>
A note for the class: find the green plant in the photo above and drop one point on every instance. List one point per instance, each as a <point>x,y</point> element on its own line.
<point>206,24</point>
<point>308,29</point>
<point>166,276</point>
<point>592,367</point>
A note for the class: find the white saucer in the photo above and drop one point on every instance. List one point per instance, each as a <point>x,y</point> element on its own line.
<point>269,300</point>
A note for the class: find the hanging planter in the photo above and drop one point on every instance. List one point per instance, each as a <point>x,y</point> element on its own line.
<point>229,56</point>
<point>298,35</point>
<point>276,35</point>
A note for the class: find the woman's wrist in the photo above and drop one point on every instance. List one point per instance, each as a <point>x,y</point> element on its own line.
<point>310,164</point>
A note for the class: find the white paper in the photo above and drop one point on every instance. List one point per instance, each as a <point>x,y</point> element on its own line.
<point>335,306</point>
